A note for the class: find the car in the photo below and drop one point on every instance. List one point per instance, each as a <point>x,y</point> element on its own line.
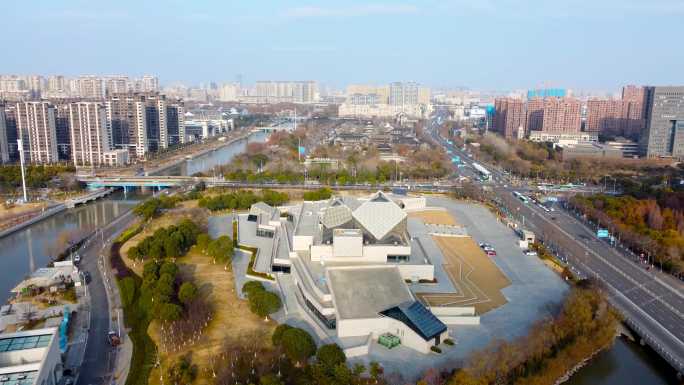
<point>113,339</point>
<point>530,253</point>
<point>86,277</point>
<point>76,259</point>
<point>491,253</point>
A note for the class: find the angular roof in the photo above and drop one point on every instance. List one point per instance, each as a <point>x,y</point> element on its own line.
<point>418,318</point>
<point>261,208</point>
<point>336,216</point>
<point>379,215</point>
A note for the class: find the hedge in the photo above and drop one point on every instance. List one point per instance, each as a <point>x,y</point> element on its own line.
<point>252,260</point>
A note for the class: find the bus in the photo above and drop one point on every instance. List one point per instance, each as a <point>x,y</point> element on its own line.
<point>523,198</point>
<point>485,175</point>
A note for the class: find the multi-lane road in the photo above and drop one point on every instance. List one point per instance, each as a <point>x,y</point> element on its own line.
<point>651,302</point>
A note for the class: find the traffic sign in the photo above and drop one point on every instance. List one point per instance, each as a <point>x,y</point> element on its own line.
<point>602,233</point>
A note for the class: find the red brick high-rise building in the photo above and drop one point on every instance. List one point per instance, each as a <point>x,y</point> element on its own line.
<point>623,117</point>
<point>561,115</point>
<point>535,114</point>
<point>509,117</point>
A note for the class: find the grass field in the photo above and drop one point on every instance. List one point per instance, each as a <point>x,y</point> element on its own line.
<point>477,278</point>
<point>435,217</point>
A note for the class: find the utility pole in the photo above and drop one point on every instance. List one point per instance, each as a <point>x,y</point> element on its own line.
<point>23,174</point>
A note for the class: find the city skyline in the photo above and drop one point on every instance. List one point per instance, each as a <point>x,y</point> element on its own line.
<point>577,45</point>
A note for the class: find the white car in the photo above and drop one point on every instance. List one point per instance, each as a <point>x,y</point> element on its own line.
<point>530,253</point>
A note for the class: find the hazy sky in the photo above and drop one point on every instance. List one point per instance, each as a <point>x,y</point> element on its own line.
<point>483,44</point>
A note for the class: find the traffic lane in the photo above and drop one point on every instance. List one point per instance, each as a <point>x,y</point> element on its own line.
<point>98,353</point>
<point>625,264</point>
<point>635,292</point>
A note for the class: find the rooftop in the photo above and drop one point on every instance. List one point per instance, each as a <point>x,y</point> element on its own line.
<point>363,292</point>
<point>418,318</point>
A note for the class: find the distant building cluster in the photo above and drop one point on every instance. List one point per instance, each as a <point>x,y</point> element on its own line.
<point>397,98</point>
<point>28,87</point>
<point>653,115</point>
<point>106,121</point>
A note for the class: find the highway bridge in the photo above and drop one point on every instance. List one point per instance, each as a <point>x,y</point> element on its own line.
<point>175,181</point>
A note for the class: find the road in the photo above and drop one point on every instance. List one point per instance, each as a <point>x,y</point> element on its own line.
<point>652,302</point>
<point>99,361</point>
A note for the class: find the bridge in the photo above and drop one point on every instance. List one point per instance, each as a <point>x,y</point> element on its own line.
<point>91,196</point>
<point>174,181</point>
<point>138,181</point>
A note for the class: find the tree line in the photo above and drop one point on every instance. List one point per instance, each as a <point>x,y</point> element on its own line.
<point>166,242</point>
<point>645,225</point>
<point>243,199</point>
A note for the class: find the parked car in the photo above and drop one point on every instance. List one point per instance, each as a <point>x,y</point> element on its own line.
<point>113,339</point>
<point>491,253</point>
<point>530,253</point>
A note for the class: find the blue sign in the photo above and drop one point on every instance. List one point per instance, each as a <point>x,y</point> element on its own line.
<point>302,150</point>
<point>602,233</point>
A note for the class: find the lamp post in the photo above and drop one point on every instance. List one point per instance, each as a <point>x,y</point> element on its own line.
<point>23,174</point>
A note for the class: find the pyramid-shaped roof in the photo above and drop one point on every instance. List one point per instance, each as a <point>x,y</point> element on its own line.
<point>379,215</point>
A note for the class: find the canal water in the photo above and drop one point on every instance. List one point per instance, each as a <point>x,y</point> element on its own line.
<point>214,158</point>
<point>26,250</point>
<point>626,363</point>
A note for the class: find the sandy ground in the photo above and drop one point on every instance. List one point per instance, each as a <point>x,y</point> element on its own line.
<point>476,276</point>
<point>436,217</point>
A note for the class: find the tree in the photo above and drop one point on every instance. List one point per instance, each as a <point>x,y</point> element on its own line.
<point>252,286</point>
<point>270,379</point>
<point>263,303</point>
<point>169,312</point>
<point>203,242</point>
<point>277,337</point>
<point>169,268</point>
<point>187,292</point>
<point>376,371</point>
<point>127,290</point>
<point>298,345</point>
<point>330,355</point>
<point>182,372</point>
<point>221,249</point>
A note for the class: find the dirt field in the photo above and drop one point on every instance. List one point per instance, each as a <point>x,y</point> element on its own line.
<point>436,217</point>
<point>478,280</point>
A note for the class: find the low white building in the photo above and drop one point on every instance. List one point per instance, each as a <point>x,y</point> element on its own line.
<point>115,158</point>
<point>30,358</point>
<point>350,259</point>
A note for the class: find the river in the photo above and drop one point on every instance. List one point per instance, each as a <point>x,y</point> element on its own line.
<point>22,252</point>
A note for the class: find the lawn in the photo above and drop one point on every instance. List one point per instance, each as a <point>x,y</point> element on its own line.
<point>435,217</point>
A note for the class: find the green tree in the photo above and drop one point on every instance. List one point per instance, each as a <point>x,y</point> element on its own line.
<point>182,372</point>
<point>128,291</point>
<point>203,242</point>
<point>330,355</point>
<point>252,286</point>
<point>221,249</point>
<point>263,303</point>
<point>277,337</point>
<point>169,312</point>
<point>187,292</point>
<point>169,268</point>
<point>298,345</point>
<point>270,379</point>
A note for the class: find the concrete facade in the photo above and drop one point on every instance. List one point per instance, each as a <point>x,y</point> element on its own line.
<point>664,132</point>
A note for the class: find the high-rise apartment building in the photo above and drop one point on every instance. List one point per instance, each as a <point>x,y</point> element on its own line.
<point>57,83</point>
<point>634,96</point>
<point>268,91</point>
<point>663,135</point>
<point>4,148</point>
<point>175,125</point>
<point>36,127</point>
<point>91,87</point>
<point>157,131</point>
<point>90,138</point>
<point>509,117</point>
<point>229,92</point>
<point>408,93</point>
<point>62,131</point>
<point>11,131</point>
<point>605,116</point>
<point>562,115</point>
<point>535,114</point>
<point>149,83</point>
<point>127,122</point>
<point>117,84</point>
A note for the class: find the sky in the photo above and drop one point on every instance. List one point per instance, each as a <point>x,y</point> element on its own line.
<point>480,44</point>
